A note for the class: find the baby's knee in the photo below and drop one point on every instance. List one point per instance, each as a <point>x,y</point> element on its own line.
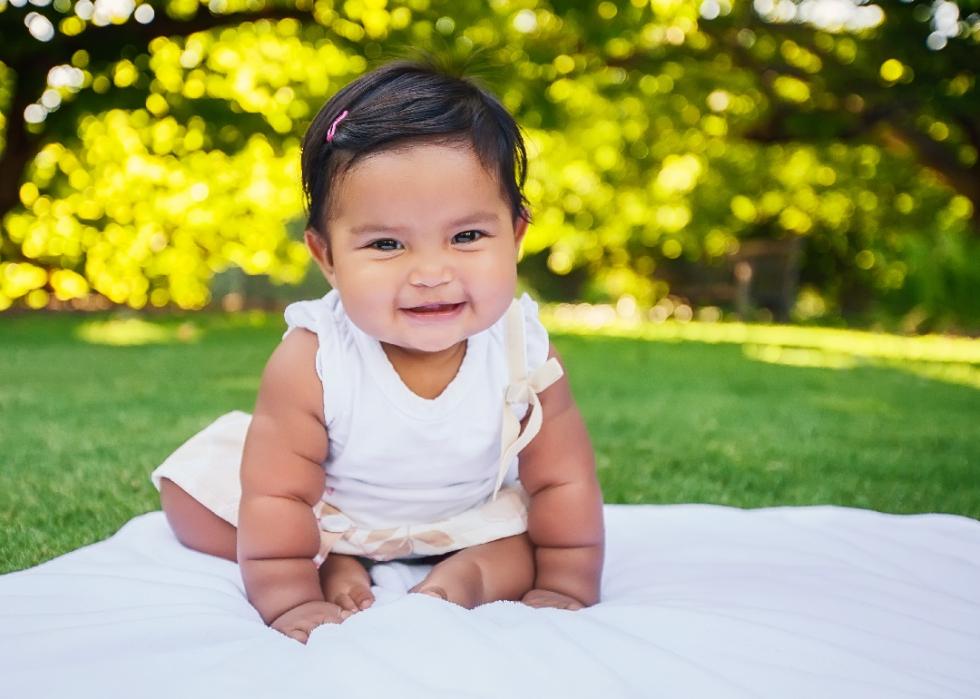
<point>194,525</point>
<point>176,502</point>
<point>511,566</point>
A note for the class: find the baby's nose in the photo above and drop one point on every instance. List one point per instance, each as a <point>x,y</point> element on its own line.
<point>430,274</point>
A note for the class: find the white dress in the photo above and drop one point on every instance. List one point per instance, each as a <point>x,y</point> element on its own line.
<point>405,476</point>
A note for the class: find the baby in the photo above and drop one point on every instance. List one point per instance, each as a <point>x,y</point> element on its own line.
<point>389,419</point>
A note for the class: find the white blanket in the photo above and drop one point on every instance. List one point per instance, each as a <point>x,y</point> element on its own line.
<point>698,601</point>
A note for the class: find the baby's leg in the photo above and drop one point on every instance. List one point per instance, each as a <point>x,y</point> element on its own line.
<point>346,582</point>
<point>501,569</point>
<point>196,526</point>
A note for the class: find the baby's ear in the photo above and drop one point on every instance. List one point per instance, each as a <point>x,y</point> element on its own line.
<point>319,248</point>
<point>520,228</point>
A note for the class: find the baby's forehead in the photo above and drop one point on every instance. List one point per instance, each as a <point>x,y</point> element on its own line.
<point>428,151</point>
<point>434,178</point>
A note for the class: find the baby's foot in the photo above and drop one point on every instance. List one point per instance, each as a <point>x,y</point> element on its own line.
<point>346,583</point>
<point>352,597</point>
<point>432,591</point>
<point>455,580</point>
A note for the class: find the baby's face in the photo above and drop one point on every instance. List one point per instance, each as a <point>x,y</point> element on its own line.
<point>424,249</point>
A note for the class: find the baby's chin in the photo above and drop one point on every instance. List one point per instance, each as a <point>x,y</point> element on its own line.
<point>425,345</point>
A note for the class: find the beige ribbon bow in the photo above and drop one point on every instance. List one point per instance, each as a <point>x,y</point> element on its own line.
<point>523,388</point>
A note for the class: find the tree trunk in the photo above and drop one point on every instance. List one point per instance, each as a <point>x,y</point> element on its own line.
<point>21,146</point>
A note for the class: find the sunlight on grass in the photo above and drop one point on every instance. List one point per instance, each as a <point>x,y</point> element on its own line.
<point>962,374</point>
<point>793,356</point>
<point>135,331</point>
<point>586,319</point>
<point>954,360</point>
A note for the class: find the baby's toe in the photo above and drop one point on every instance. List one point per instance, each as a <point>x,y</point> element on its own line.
<point>362,596</point>
<point>433,591</point>
<point>346,602</point>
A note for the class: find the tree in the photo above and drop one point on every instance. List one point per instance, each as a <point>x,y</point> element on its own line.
<point>58,60</point>
<point>778,120</point>
<point>904,78</point>
<point>660,132</point>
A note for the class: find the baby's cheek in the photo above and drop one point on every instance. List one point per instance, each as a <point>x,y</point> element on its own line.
<point>368,318</point>
<point>498,264</point>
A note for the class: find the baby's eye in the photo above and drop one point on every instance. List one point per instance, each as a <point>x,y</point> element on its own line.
<point>384,244</point>
<point>468,236</point>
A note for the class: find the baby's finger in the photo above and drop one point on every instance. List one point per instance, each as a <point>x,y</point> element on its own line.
<point>338,616</point>
<point>297,634</point>
<point>532,599</point>
<point>332,617</point>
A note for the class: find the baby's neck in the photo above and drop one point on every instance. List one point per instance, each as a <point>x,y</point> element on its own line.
<point>427,374</point>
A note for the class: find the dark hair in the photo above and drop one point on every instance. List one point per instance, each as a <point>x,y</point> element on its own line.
<point>397,104</point>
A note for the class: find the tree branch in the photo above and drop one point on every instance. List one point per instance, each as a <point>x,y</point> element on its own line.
<point>939,159</point>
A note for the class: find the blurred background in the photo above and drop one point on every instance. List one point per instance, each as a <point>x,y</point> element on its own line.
<point>807,161</point>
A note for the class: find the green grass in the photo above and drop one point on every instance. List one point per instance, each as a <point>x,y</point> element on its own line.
<point>671,420</point>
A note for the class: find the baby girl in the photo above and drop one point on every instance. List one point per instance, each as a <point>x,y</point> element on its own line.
<point>417,410</point>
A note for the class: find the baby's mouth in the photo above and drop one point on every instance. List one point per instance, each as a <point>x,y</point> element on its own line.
<point>435,308</point>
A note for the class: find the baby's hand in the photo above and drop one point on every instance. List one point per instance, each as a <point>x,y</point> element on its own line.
<point>547,598</point>
<point>300,621</point>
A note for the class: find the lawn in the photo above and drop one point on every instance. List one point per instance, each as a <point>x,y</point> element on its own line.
<point>673,418</point>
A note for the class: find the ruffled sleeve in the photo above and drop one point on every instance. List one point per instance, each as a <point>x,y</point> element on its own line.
<point>302,314</point>
<point>535,335</point>
<point>307,315</point>
<point>319,316</point>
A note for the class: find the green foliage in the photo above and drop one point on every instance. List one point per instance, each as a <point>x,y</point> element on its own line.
<point>160,152</point>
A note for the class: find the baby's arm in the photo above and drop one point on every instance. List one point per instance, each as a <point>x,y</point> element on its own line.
<point>282,479</point>
<point>565,516</point>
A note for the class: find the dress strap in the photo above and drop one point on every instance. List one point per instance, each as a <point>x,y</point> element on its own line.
<point>522,388</point>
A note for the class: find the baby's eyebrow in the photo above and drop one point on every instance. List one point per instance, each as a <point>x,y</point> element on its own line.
<point>478,217</point>
<point>367,228</point>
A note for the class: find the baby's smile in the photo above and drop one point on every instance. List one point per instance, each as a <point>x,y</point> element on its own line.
<point>434,311</point>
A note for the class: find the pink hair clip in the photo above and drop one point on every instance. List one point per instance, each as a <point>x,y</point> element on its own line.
<point>333,127</point>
